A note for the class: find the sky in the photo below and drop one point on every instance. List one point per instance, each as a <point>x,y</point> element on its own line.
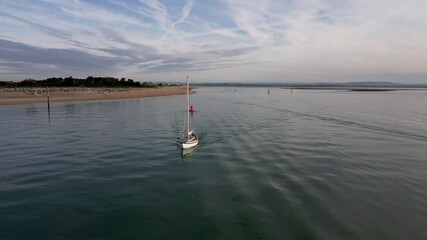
<point>288,41</point>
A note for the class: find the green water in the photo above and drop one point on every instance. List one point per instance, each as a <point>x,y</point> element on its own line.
<point>306,165</point>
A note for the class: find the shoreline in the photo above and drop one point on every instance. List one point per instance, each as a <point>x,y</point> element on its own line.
<point>20,96</point>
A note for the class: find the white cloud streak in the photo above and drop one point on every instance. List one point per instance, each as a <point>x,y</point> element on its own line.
<point>185,12</point>
<point>157,11</point>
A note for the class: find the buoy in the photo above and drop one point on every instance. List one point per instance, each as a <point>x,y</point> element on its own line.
<point>192,109</point>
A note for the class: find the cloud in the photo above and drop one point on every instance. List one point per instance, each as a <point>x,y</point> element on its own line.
<point>157,11</point>
<point>16,57</point>
<point>185,12</point>
<point>66,58</point>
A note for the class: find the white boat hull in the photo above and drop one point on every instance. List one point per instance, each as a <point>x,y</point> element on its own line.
<point>190,144</point>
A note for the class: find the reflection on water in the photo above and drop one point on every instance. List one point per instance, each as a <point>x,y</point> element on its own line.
<point>186,153</point>
<point>31,110</point>
<point>70,108</point>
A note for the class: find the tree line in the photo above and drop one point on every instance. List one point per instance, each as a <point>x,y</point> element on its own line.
<point>78,82</point>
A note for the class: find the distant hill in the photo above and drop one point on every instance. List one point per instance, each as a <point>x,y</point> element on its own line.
<point>315,85</point>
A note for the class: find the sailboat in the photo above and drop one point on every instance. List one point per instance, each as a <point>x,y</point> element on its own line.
<point>191,140</point>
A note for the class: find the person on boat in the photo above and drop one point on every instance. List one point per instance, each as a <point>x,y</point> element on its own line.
<point>192,137</point>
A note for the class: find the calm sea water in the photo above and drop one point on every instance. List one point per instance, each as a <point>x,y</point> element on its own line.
<point>306,165</point>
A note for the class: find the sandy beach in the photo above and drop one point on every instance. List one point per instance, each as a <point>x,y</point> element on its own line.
<point>37,95</point>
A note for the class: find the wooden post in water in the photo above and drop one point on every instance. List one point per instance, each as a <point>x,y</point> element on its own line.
<point>48,103</point>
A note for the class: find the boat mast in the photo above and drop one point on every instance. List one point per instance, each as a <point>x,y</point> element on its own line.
<point>188,107</point>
